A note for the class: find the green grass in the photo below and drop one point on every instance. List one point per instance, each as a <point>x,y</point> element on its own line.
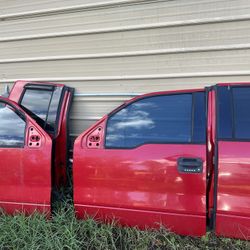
<point>63,231</point>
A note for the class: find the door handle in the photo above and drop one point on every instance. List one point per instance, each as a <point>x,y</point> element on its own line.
<point>190,165</point>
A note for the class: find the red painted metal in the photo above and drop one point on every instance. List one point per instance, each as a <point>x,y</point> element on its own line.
<point>181,223</point>
<point>233,226</point>
<point>144,180</point>
<point>25,180</point>
<point>139,187</point>
<point>233,197</point>
<point>61,143</point>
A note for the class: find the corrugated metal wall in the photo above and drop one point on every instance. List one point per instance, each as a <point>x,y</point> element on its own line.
<point>110,49</point>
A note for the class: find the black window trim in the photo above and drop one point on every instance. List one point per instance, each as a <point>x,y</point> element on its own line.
<point>63,93</point>
<point>233,139</point>
<point>35,86</point>
<point>124,105</point>
<point>22,115</point>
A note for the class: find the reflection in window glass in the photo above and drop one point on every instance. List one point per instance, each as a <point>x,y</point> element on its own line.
<point>241,101</point>
<point>37,102</point>
<point>225,123</point>
<point>12,128</point>
<point>53,109</point>
<point>42,105</point>
<point>155,119</point>
<point>199,127</point>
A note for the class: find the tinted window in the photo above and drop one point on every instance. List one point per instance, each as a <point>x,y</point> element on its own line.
<point>225,124</point>
<point>241,105</point>
<point>155,119</point>
<point>42,105</point>
<point>199,127</point>
<point>37,101</point>
<point>12,128</point>
<point>53,108</point>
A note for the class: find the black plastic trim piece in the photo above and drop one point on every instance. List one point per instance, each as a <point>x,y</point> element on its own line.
<point>48,87</point>
<point>58,109</point>
<point>158,143</point>
<point>189,165</point>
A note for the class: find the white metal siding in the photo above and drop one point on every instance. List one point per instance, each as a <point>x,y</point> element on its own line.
<point>111,49</point>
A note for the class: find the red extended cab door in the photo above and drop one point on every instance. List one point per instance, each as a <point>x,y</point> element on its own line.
<point>49,104</point>
<point>233,161</point>
<point>25,161</point>
<point>145,163</point>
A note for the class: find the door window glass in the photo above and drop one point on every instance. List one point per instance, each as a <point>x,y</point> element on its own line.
<point>42,105</point>
<point>53,108</point>
<point>241,105</point>
<point>157,119</point>
<point>37,101</point>
<point>12,127</point>
<point>199,117</point>
<point>225,122</point>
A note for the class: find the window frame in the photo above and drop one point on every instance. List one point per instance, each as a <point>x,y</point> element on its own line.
<point>22,116</point>
<point>232,139</point>
<point>124,105</point>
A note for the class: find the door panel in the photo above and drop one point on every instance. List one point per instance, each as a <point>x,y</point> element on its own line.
<point>233,194</point>
<point>25,180</point>
<point>139,182</point>
<point>233,201</point>
<point>145,179</point>
<point>49,104</point>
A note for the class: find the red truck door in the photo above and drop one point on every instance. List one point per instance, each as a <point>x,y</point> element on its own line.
<point>49,104</point>
<point>145,163</point>
<point>233,166</point>
<point>25,161</point>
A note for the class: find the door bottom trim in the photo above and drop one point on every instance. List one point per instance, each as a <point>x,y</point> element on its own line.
<point>184,224</point>
<point>10,207</point>
<point>233,226</point>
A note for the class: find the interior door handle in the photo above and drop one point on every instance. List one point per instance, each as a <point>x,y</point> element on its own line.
<point>190,165</point>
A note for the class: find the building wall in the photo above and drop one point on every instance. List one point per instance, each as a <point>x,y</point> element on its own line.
<point>111,49</point>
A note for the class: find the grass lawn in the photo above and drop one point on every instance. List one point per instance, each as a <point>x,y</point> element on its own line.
<point>65,232</point>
